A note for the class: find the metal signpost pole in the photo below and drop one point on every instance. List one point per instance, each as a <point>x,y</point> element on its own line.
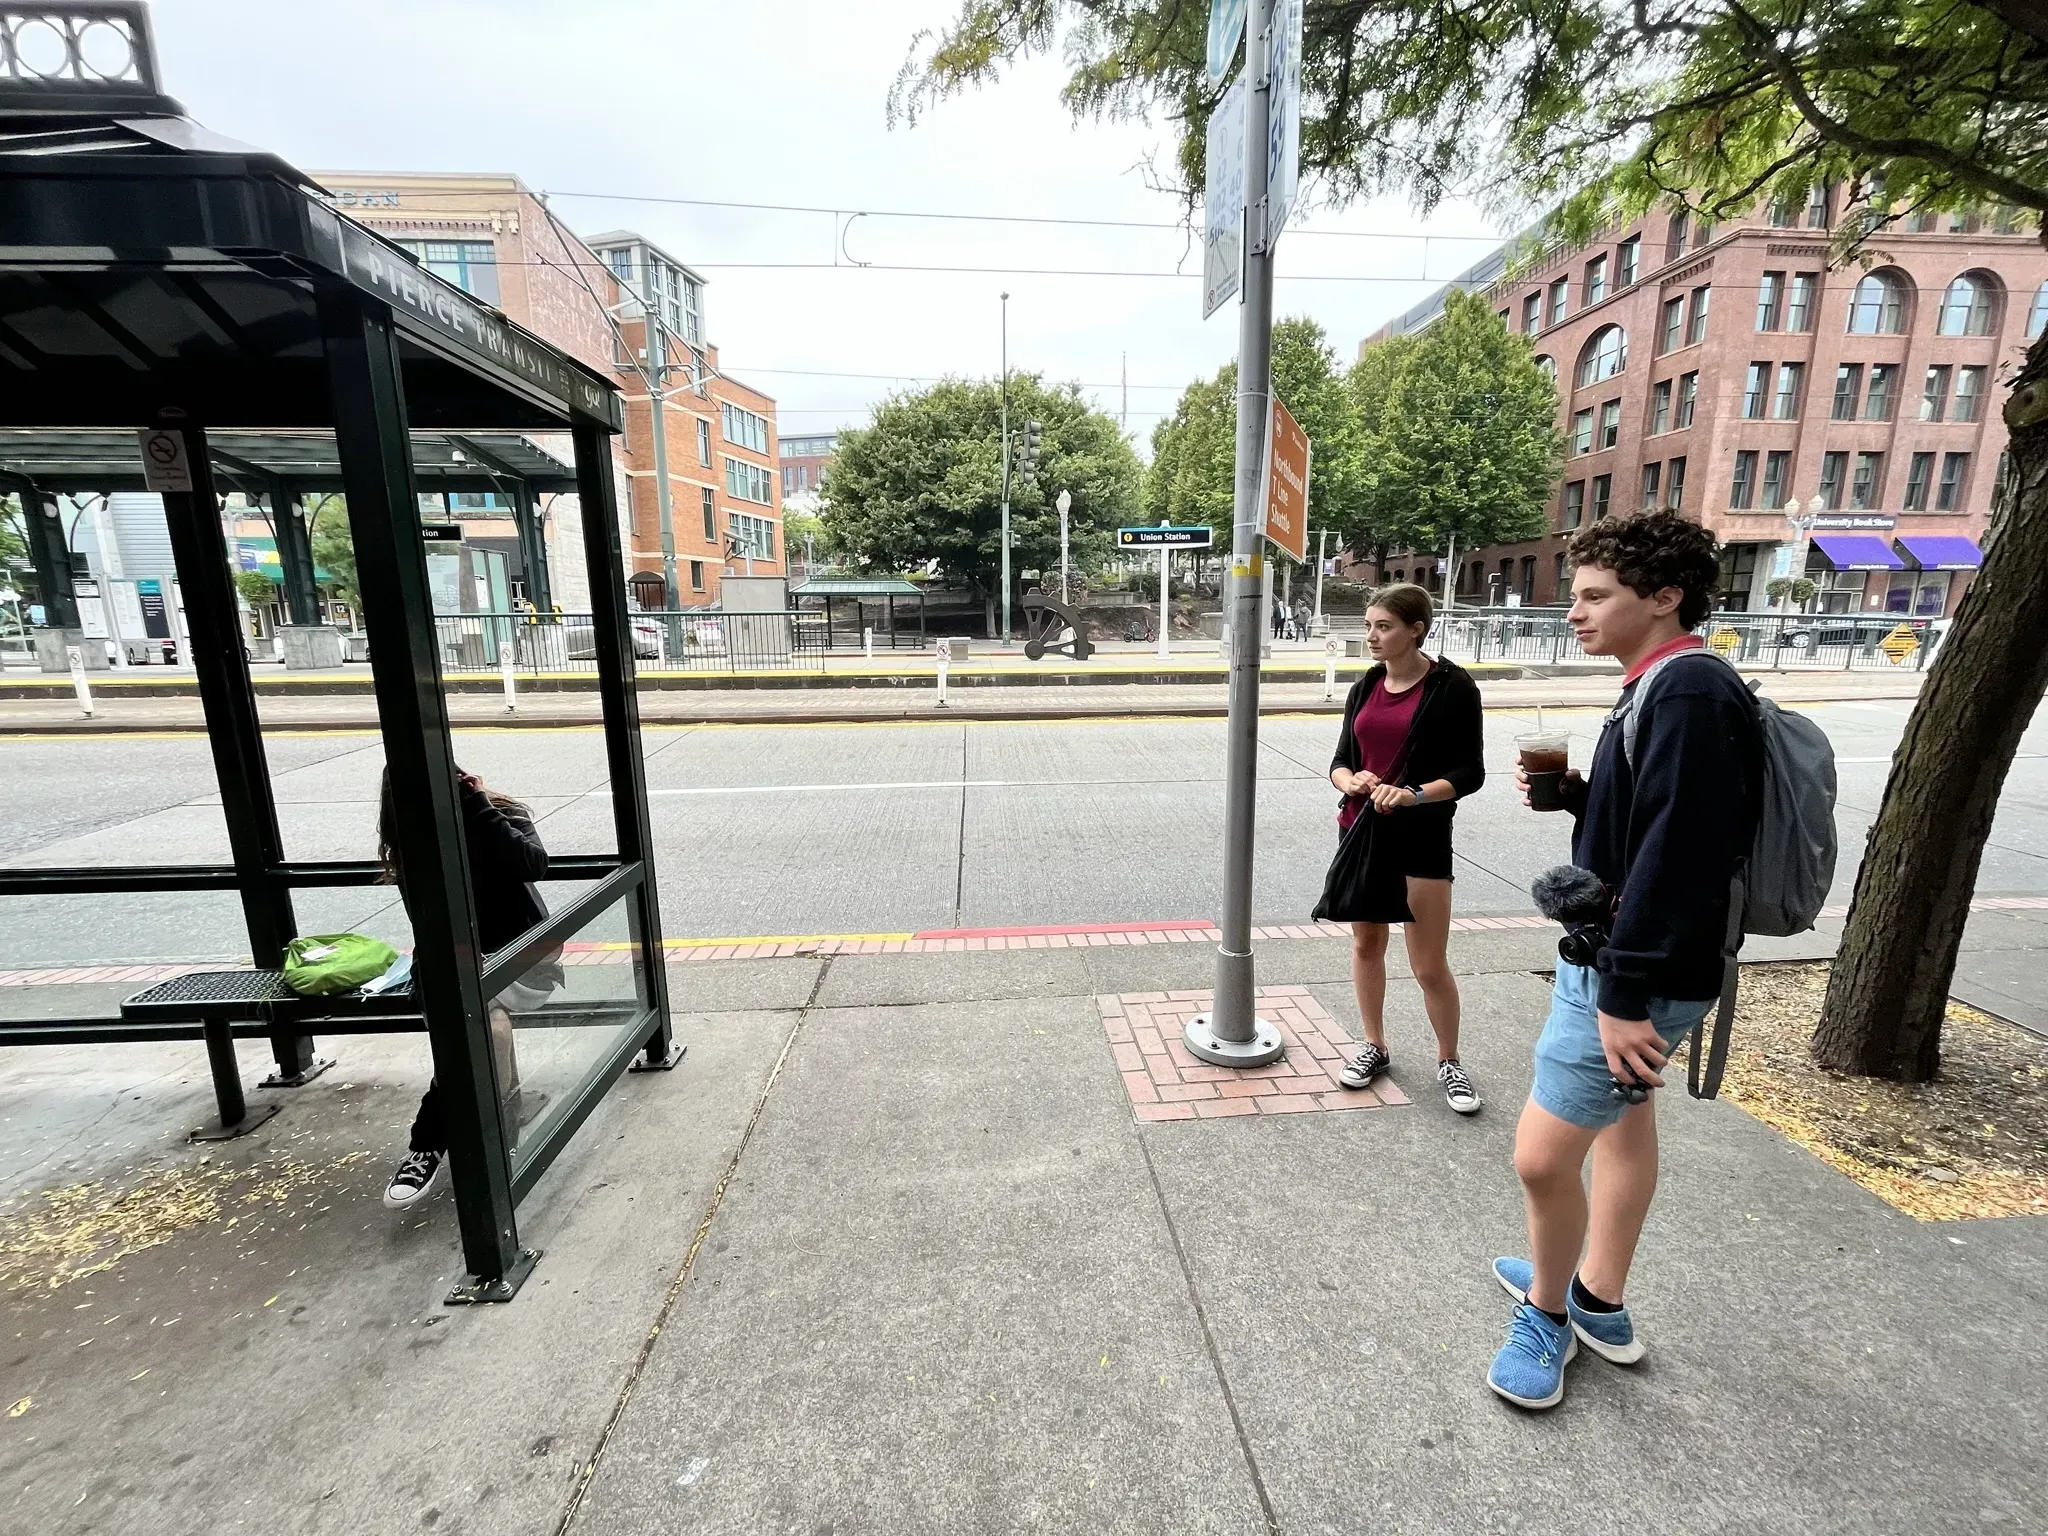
<point>657,410</point>
<point>1322,559</point>
<point>1006,469</point>
<point>1232,1034</point>
<point>1065,504</point>
<point>1165,577</point>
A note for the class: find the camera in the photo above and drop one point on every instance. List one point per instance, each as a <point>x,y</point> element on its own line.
<point>1581,901</point>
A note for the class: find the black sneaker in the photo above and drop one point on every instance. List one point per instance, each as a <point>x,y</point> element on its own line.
<point>1458,1090</point>
<point>414,1179</point>
<point>1368,1064</point>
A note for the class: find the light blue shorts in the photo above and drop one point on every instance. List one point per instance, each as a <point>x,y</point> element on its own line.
<point>1572,1078</point>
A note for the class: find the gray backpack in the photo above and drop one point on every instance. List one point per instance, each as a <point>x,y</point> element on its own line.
<point>1780,887</point>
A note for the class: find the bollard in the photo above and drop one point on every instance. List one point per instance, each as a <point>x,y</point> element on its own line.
<point>1331,647</point>
<point>945,654</point>
<point>867,641</point>
<point>79,685</point>
<point>505,671</point>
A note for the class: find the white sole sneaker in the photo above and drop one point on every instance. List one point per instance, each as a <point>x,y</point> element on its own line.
<point>405,1200</point>
<point>1470,1106</point>
<point>1571,1353</point>
<point>1615,1354</point>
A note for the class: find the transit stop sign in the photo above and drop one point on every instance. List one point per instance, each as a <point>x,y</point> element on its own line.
<point>1287,455</point>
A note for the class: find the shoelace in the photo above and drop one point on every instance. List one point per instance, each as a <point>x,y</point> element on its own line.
<point>1455,1082</point>
<point>1371,1059</point>
<point>414,1170</point>
<point>1532,1333</point>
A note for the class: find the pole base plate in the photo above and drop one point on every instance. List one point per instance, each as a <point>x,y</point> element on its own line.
<point>256,1115</point>
<point>474,1292</point>
<point>1202,1040</point>
<point>298,1079</point>
<point>676,1051</point>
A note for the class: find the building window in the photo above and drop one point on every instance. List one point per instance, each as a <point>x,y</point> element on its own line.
<point>1791,376</point>
<point>1674,485</point>
<point>471,265</point>
<point>710,516</point>
<point>1817,204</point>
<point>1653,476</point>
<point>1955,467</point>
<point>1770,301</point>
<point>1742,490</point>
<point>1832,467</point>
<point>1574,503</point>
<point>696,575</point>
<point>1756,389</point>
<point>1969,394</point>
<point>1605,355</point>
<point>1610,423</point>
<point>1738,576</point>
<point>1660,407</point>
<point>792,479</point>
<point>1674,325</point>
<point>1966,221</point>
<point>1528,578</point>
<point>1596,280</point>
<point>748,482</point>
<point>750,537</point>
<point>1603,489</point>
<point>743,429</point>
<point>1696,328</point>
<point>1532,314</point>
<point>1547,366</point>
<point>1784,213</point>
<point>1674,235</point>
<point>1799,310</point>
<point>1582,432</point>
<point>1627,260</point>
<point>621,263</point>
<point>1848,390</point>
<point>1877,307</point>
<point>1921,223</point>
<point>1868,483</point>
<point>2037,314</point>
<point>1560,296</point>
<point>704,442</point>
<point>1884,382</point>
<point>1919,474</point>
<point>1558,576</point>
<point>1934,393</point>
<point>1777,479</point>
<point>1688,396</point>
<point>1966,307</point>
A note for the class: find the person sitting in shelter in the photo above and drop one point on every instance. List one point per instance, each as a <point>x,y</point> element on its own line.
<point>505,857</point>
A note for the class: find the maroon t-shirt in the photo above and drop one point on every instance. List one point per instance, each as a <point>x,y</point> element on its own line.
<point>1381,730</point>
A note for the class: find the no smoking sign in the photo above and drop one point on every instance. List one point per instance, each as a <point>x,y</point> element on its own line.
<point>165,466</point>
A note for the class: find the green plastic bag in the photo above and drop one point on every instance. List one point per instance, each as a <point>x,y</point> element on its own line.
<point>319,965</point>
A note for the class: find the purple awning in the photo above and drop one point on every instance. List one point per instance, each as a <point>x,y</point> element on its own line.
<point>1933,553</point>
<point>1858,552</point>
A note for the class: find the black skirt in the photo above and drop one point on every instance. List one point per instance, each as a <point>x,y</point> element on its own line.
<point>1368,879</point>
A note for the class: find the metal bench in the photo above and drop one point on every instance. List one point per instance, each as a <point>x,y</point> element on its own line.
<point>261,1002</point>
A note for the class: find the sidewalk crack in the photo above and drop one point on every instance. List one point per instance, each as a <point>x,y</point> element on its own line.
<point>675,1290</point>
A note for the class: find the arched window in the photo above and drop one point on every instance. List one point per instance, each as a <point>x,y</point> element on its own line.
<point>1606,354</point>
<point>2037,317</point>
<point>1878,306</point>
<point>1969,307</point>
<point>1547,365</point>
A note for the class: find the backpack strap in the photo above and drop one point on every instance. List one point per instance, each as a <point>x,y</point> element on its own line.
<point>1710,1053</point>
<point>1629,711</point>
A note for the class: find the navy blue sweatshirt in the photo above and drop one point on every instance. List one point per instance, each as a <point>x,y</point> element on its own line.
<point>1665,835</point>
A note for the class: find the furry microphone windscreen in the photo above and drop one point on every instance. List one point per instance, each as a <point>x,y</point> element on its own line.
<point>1569,894</point>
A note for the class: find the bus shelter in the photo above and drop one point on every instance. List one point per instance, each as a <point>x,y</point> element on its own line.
<point>204,298</point>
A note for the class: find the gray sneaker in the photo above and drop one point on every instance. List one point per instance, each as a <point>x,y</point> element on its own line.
<point>1368,1064</point>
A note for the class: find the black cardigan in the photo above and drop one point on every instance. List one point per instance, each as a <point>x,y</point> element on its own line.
<point>505,858</point>
<point>1447,738</point>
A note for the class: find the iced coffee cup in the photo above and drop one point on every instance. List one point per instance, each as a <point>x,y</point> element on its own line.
<point>1545,756</point>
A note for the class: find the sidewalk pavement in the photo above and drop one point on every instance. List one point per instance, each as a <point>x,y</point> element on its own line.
<point>913,697</point>
<point>899,1249</point>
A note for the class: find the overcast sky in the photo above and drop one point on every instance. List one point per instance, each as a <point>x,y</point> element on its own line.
<point>785,101</point>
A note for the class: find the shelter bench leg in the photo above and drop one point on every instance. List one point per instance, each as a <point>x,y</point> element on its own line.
<point>660,1054</point>
<point>236,1118</point>
<point>297,1062</point>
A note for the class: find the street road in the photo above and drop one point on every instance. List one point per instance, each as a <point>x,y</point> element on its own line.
<point>844,829</point>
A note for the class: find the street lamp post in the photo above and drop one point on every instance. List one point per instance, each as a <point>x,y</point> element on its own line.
<point>1065,502</point>
<point>1006,469</point>
<point>1801,521</point>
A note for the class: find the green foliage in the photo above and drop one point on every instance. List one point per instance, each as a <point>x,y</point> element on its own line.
<point>1459,435</point>
<point>334,550</point>
<point>1615,104</point>
<point>1192,478</point>
<point>924,481</point>
<point>257,589</point>
<point>13,539</point>
<point>1801,589</point>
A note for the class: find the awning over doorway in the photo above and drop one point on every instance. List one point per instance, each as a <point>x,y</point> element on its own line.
<point>1934,553</point>
<point>1857,552</point>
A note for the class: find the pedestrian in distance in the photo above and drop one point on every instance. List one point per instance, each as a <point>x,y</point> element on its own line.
<point>1411,747</point>
<point>1303,616</point>
<point>1662,824</point>
<point>505,857</point>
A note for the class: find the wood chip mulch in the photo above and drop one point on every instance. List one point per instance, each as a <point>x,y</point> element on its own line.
<point>1972,1143</point>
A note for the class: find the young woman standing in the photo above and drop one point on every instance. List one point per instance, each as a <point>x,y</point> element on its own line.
<point>1412,746</point>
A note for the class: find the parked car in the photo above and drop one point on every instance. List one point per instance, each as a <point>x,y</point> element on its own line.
<point>579,640</point>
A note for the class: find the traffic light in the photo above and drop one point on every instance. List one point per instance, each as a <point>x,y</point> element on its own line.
<point>1027,457</point>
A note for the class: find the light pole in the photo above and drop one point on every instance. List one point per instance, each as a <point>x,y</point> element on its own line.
<point>1802,529</point>
<point>1006,469</point>
<point>1322,559</point>
<point>1064,502</point>
<point>1231,1033</point>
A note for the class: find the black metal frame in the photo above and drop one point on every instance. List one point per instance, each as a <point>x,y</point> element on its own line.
<point>133,241</point>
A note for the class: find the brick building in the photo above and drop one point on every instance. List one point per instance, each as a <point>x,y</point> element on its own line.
<point>1729,371</point>
<point>489,235</point>
<point>804,462</point>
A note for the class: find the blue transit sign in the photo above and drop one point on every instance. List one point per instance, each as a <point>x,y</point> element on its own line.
<point>1165,538</point>
<point>1226,24</point>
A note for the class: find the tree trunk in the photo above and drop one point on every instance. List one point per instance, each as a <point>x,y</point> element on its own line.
<point>1889,988</point>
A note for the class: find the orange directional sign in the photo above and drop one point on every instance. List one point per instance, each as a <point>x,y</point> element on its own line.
<point>1287,484</point>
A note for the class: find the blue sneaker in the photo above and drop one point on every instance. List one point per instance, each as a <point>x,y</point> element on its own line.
<point>1610,1335</point>
<point>1529,1370</point>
